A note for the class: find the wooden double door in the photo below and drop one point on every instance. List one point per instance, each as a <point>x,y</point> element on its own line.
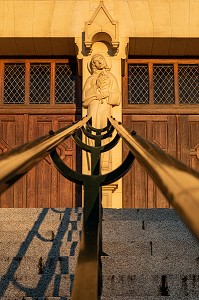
<point>178,135</point>
<point>42,186</point>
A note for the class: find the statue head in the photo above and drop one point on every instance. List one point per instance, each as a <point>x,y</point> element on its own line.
<point>98,62</point>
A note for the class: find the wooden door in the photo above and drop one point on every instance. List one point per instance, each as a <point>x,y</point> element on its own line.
<point>43,186</point>
<point>161,103</point>
<point>37,95</point>
<point>139,190</point>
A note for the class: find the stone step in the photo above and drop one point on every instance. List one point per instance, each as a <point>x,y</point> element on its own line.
<point>33,214</point>
<point>41,237</point>
<point>33,266</point>
<point>131,214</point>
<point>35,225</point>
<point>44,285</point>
<point>69,245</point>
<point>146,285</point>
<point>150,248</point>
<point>112,230</point>
<point>173,265</point>
<point>27,214</point>
<point>157,214</point>
<point>121,260</point>
<point>102,298</point>
<point>151,285</point>
<point>138,227</point>
<point>151,254</point>
<point>36,247</point>
<point>36,298</point>
<point>148,298</point>
<point>145,230</point>
<point>38,211</point>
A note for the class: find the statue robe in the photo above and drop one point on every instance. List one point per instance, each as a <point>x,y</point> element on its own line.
<point>100,109</point>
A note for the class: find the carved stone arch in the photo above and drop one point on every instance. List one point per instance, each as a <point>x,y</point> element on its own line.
<point>101,27</point>
<point>101,37</point>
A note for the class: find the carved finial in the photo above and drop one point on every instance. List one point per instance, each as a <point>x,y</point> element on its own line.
<point>101,27</point>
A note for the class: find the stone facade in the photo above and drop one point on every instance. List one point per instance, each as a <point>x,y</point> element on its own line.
<point>116,27</point>
<point>165,27</point>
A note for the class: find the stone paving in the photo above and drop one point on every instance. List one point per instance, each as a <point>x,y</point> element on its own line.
<point>151,254</point>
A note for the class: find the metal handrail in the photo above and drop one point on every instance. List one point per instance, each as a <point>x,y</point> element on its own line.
<point>17,162</point>
<point>178,182</point>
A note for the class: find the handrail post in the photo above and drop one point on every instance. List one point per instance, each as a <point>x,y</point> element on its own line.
<point>92,228</point>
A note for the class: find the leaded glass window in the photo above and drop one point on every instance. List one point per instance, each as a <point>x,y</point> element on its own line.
<point>14,83</point>
<point>163,82</point>
<point>40,83</point>
<point>167,81</point>
<point>188,83</point>
<point>64,84</point>
<point>138,88</point>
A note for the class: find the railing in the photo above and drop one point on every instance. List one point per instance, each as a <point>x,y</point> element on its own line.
<point>179,184</point>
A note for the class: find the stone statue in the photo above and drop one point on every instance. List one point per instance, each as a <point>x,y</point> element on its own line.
<point>100,91</point>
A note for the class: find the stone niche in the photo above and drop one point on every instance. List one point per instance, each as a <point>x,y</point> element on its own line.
<point>101,27</point>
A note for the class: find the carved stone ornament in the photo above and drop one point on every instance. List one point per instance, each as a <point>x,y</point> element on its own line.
<point>101,27</point>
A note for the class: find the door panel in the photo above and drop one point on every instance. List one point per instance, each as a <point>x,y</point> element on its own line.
<point>188,140</point>
<point>42,186</point>
<point>12,134</point>
<point>53,190</point>
<point>139,190</point>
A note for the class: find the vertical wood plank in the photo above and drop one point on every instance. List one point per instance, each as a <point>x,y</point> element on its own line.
<point>127,184</point>
<point>27,82</point>
<point>183,139</point>
<point>7,142</point>
<point>176,84</point>
<point>52,82</point>
<point>151,190</point>
<point>19,188</point>
<point>151,92</point>
<point>31,190</point>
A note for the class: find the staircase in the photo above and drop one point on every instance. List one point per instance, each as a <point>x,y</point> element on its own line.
<point>151,254</point>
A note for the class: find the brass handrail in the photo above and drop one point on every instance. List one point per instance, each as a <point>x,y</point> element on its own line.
<point>178,182</point>
<point>17,162</point>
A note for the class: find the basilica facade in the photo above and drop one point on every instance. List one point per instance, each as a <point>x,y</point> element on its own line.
<point>62,59</point>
